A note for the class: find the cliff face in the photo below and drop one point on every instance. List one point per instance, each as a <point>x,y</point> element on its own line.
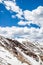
<point>13,52</point>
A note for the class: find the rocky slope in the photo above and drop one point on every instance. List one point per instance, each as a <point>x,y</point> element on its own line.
<point>13,52</point>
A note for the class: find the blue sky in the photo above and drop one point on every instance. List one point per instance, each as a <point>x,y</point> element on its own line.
<point>22,19</point>
<point>29,4</point>
<point>5,15</point>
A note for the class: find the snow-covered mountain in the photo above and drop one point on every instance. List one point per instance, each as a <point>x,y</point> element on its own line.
<point>13,52</point>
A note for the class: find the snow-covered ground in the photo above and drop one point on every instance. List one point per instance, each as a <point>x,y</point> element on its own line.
<point>7,58</point>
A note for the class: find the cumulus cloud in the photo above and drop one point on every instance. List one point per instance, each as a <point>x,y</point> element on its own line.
<point>35,17</point>
<point>20,32</point>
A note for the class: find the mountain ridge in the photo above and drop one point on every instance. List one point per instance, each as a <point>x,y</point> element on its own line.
<point>26,53</point>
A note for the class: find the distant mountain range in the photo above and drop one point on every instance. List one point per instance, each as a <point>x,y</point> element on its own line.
<point>12,52</point>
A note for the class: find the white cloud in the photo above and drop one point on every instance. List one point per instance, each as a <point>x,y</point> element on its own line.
<point>19,32</point>
<point>28,15</point>
<point>24,22</point>
<point>11,5</point>
<point>36,16</point>
<point>13,16</point>
<point>0,1</point>
<point>19,16</point>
